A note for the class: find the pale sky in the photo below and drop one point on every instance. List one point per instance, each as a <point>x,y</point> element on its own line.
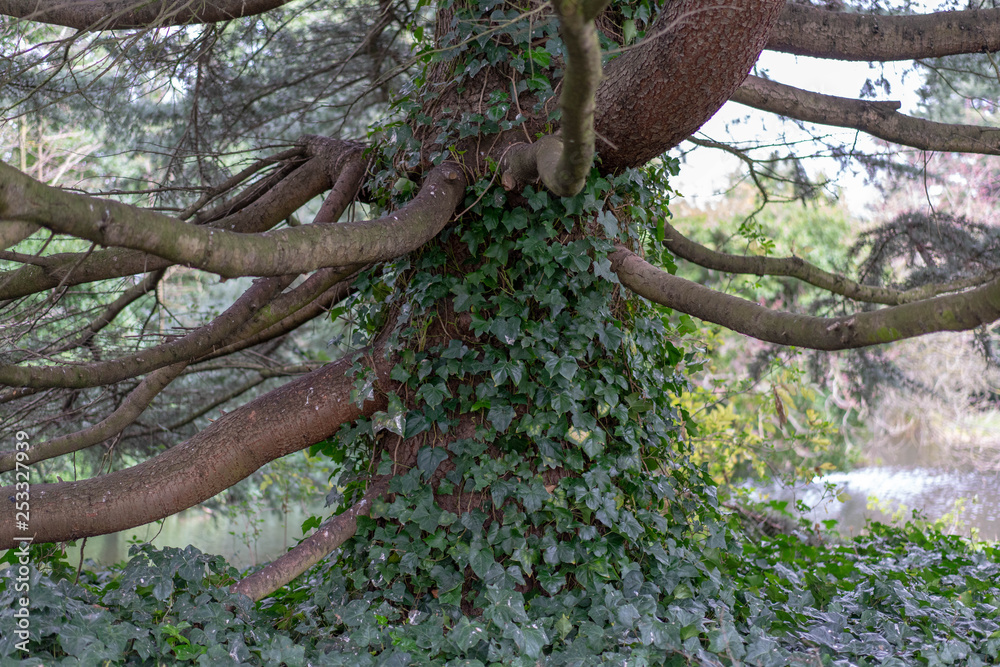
<point>707,172</point>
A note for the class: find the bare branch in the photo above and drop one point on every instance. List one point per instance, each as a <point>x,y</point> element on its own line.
<point>115,423</point>
<point>191,346</point>
<point>808,31</point>
<point>231,254</point>
<point>236,179</point>
<point>563,162</point>
<point>343,192</point>
<point>955,312</point>
<point>123,14</point>
<point>291,193</point>
<point>205,409</point>
<point>333,533</point>
<point>796,267</point>
<point>879,119</point>
<point>286,420</point>
<point>292,309</point>
<point>106,316</point>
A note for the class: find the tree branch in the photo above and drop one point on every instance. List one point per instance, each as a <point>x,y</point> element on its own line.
<point>115,423</point>
<point>123,14</point>
<point>955,312</point>
<point>333,533</point>
<point>879,119</point>
<point>292,309</point>
<point>195,344</point>
<point>287,196</point>
<point>664,88</point>
<point>232,254</point>
<point>563,162</point>
<point>286,420</point>
<point>808,31</point>
<point>796,267</point>
<point>12,233</point>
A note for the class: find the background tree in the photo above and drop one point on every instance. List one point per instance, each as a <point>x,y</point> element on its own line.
<point>504,407</point>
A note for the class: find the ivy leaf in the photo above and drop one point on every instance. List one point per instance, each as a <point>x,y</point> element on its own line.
<point>565,366</point>
<point>529,639</point>
<point>602,269</point>
<point>551,582</point>
<point>467,634</point>
<point>481,560</point>
<point>610,224</point>
<point>429,458</point>
<point>416,423</point>
<point>393,419</point>
<point>432,394</point>
<point>501,416</point>
<point>541,57</point>
<point>507,329</point>
<point>628,30</point>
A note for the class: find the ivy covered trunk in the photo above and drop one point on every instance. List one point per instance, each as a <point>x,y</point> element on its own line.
<point>541,503</point>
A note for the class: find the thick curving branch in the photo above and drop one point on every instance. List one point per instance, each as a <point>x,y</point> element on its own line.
<point>954,312</point>
<point>232,254</point>
<point>796,267</point>
<point>345,189</point>
<point>333,533</point>
<point>12,233</point>
<point>666,87</point>
<point>126,413</point>
<point>303,183</point>
<point>808,31</point>
<point>199,342</point>
<point>286,420</point>
<point>562,162</point>
<point>121,14</point>
<point>879,119</point>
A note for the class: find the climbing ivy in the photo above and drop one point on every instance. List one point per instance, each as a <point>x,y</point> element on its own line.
<point>544,506</point>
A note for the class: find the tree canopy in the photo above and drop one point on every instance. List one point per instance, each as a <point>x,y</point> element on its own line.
<point>473,196</point>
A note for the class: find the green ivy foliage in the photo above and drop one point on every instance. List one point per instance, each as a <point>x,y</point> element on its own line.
<point>553,514</point>
<point>576,482</point>
<point>897,596</point>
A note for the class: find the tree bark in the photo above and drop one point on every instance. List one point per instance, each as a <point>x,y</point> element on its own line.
<point>670,84</point>
<point>954,312</point>
<point>123,14</point>
<point>879,119</point>
<point>288,419</point>
<point>809,31</point>
<point>233,254</point>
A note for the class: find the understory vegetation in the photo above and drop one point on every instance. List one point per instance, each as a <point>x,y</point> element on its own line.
<point>527,439</point>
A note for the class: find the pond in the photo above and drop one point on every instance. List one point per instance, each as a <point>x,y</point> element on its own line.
<point>966,500</point>
<point>244,540</point>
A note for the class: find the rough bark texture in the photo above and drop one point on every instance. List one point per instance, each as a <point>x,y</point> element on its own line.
<point>669,85</point>
<point>808,31</point>
<point>286,197</point>
<point>879,119</point>
<point>113,15</point>
<point>286,420</point>
<point>956,312</point>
